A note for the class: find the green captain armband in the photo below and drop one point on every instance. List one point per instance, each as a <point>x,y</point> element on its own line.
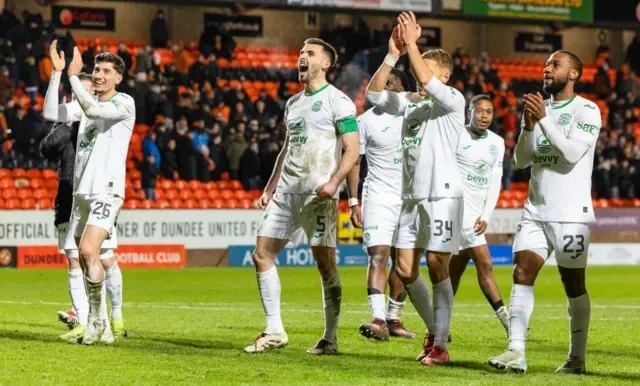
<point>347,125</point>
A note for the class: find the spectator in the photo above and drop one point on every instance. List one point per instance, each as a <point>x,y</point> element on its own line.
<point>169,160</point>
<point>126,57</point>
<point>150,148</point>
<point>87,59</point>
<point>149,171</point>
<point>218,157</point>
<point>162,136</point>
<point>601,177</point>
<point>200,136</point>
<point>211,69</point>
<point>614,178</point>
<point>143,63</point>
<point>236,145</point>
<point>250,168</point>
<point>626,81</point>
<point>6,86</point>
<point>197,71</point>
<point>626,180</point>
<point>159,31</point>
<point>187,154</point>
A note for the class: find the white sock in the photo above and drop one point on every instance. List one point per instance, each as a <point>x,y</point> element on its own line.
<point>94,292</point>
<point>269,286</point>
<point>443,309</point>
<point>331,298</point>
<point>113,282</point>
<point>521,307</point>
<point>394,309</point>
<point>103,305</point>
<point>579,315</point>
<point>78,294</point>
<point>420,297</point>
<point>376,303</point>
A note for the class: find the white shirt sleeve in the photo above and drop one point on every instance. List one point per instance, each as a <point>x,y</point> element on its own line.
<point>52,111</point>
<point>390,102</point>
<point>446,97</point>
<point>523,152</point>
<point>115,108</point>
<point>494,186</point>
<point>362,131</point>
<point>582,136</point>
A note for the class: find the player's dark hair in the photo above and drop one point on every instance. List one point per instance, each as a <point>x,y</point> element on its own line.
<point>404,79</point>
<point>441,57</point>
<point>84,76</point>
<point>108,57</point>
<point>478,98</point>
<point>576,63</point>
<point>326,47</point>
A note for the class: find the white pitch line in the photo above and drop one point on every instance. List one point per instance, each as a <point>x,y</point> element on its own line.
<point>256,308</point>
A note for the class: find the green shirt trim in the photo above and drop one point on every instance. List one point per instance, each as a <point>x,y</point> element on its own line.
<point>564,104</point>
<point>347,125</point>
<point>318,90</point>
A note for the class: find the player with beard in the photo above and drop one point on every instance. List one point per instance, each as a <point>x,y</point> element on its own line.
<point>480,155</point>
<point>380,142</point>
<point>302,193</point>
<point>558,142</point>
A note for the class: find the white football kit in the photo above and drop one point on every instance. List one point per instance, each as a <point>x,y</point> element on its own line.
<point>315,123</point>
<point>381,143</point>
<point>101,152</point>
<point>432,207</point>
<point>558,212</point>
<point>480,161</point>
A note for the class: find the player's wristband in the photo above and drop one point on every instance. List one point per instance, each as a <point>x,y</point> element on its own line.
<point>353,202</point>
<point>390,60</point>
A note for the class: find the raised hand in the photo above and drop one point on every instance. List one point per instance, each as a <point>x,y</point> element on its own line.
<point>396,45</point>
<point>75,67</point>
<point>57,59</point>
<point>410,30</point>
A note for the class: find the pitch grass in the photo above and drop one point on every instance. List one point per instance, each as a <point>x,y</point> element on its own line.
<point>189,327</point>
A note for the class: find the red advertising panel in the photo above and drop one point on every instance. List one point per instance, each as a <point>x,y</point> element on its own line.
<point>129,256</point>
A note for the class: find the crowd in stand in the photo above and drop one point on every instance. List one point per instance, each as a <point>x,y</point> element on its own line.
<point>200,130</point>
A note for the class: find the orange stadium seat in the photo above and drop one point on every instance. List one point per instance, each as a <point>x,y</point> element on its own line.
<point>167,184</point>
<point>25,193</point>
<point>147,204</point>
<point>37,183</point>
<point>246,204</point>
<point>130,204</point>
<point>6,183</point>
<point>5,173</point>
<point>162,204</point>
<point>195,185</point>
<point>171,194</point>
<point>12,203</point>
<point>233,204</point>
<point>51,183</point>
<point>226,194</point>
<point>203,204</point>
<point>185,194</point>
<point>189,204</point>
<point>44,203</point>
<point>175,204</point>
<point>235,185</point>
<point>213,194</point>
<point>2,205</point>
<point>211,185</point>
<point>34,173</point>
<point>199,194</point>
<point>181,184</point>
<point>18,173</point>
<point>28,204</point>
<point>9,193</point>
<point>159,194</point>
<point>40,193</point>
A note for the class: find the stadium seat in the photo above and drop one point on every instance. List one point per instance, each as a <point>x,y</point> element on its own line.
<point>162,204</point>
<point>218,203</point>
<point>12,203</point>
<point>227,194</point>
<point>171,194</point>
<point>37,183</point>
<point>180,185</point>
<point>242,194</point>
<point>213,194</point>
<point>6,182</point>
<point>28,204</point>
<point>159,194</point>
<point>34,173</point>
<point>9,193</point>
<point>235,185</point>
<point>147,204</point>
<point>135,174</point>
<point>5,173</point>
<point>199,194</point>
<point>256,194</point>
<point>246,204</point>
<point>233,204</point>
<point>175,204</point>
<point>131,204</point>
<point>2,205</point>
<point>189,204</point>
<point>44,203</point>
<point>18,173</point>
<point>25,193</point>
<point>167,184</point>
<point>51,183</point>
<point>211,185</point>
<point>195,185</point>
<point>204,204</point>
<point>39,194</point>
<point>185,194</point>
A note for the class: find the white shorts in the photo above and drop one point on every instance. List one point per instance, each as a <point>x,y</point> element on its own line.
<point>434,225</point>
<point>469,239</point>
<point>379,223</point>
<point>569,241</point>
<point>287,213</point>
<point>100,210</point>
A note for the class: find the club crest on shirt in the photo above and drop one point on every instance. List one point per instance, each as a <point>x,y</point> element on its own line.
<point>480,167</point>
<point>493,150</point>
<point>317,105</point>
<point>564,119</point>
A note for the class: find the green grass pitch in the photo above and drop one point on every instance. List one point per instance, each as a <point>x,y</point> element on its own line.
<point>189,327</point>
